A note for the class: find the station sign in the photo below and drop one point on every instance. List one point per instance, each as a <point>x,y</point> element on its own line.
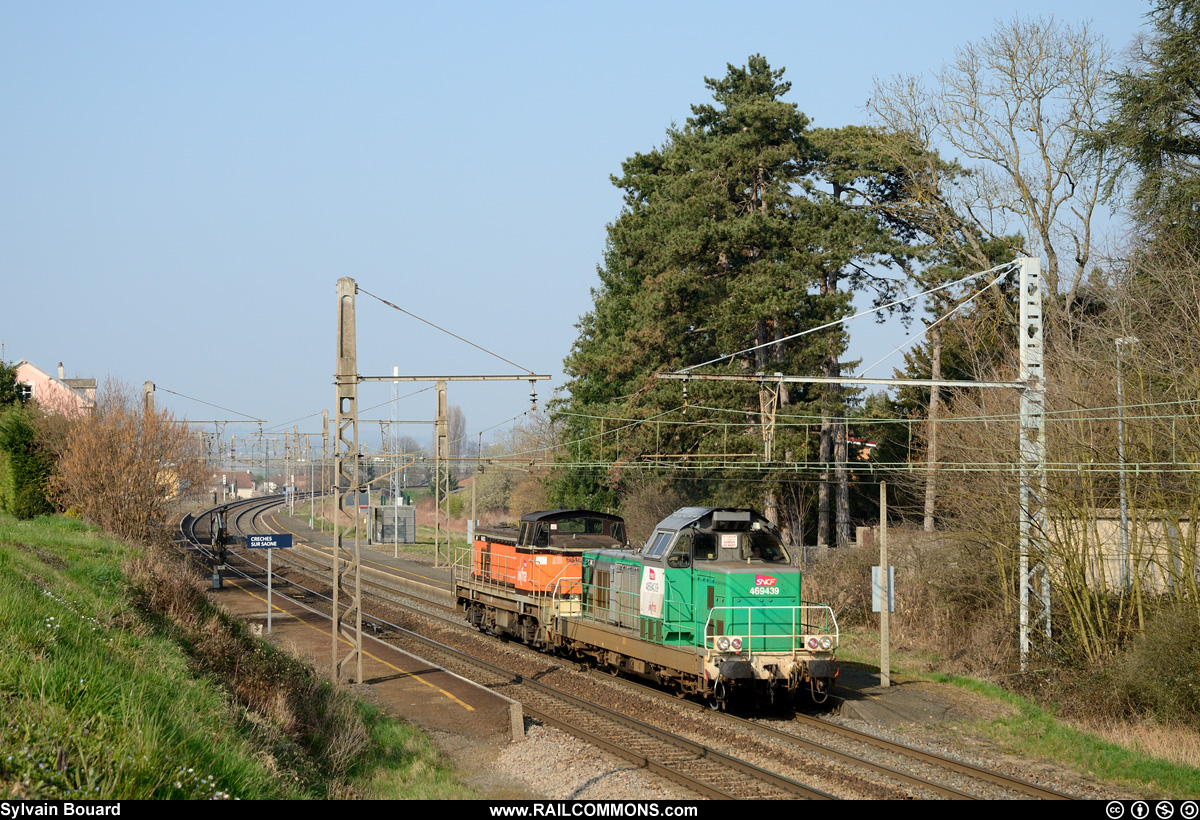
<point>268,542</point>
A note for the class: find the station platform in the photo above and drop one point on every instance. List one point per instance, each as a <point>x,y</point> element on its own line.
<point>400,683</point>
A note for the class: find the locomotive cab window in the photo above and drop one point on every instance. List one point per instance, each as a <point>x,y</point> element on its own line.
<point>704,546</point>
<point>658,546</point>
<point>760,545</point>
<point>581,526</point>
<point>681,555</point>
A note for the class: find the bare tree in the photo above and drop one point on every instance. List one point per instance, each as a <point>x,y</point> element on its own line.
<point>1015,107</point>
<point>123,465</point>
<point>514,471</point>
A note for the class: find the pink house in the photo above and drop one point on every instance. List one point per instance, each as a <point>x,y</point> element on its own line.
<point>70,397</point>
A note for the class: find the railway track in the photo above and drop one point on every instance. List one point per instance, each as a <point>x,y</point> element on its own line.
<point>701,769</point>
<point>805,743</point>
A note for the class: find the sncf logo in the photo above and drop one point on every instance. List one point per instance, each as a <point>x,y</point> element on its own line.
<point>764,581</point>
<point>651,571</point>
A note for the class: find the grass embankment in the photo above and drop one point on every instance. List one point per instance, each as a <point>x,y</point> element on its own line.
<point>118,680</point>
<point>1133,754</point>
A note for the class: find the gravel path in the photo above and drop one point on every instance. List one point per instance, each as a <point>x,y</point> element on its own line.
<point>555,765</point>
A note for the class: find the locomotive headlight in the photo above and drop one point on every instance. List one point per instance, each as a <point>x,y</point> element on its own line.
<point>812,643</point>
<point>736,643</point>
<point>827,643</point>
<point>723,643</point>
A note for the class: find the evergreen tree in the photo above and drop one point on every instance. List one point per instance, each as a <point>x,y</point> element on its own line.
<point>1155,129</point>
<point>742,229</point>
<point>8,385</point>
<point>25,465</point>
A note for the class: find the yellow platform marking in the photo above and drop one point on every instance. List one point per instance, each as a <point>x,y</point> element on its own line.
<point>403,673</point>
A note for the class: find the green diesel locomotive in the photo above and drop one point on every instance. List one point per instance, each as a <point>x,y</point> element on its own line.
<point>711,605</point>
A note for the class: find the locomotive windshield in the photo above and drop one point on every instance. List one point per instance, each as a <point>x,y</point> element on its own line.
<point>762,545</point>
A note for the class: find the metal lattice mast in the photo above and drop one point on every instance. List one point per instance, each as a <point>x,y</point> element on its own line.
<point>441,472</point>
<point>346,624</point>
<point>1034,579</point>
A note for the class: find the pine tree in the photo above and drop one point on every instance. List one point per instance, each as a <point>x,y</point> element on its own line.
<point>1155,129</point>
<point>743,228</point>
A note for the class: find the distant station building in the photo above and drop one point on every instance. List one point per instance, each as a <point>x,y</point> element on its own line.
<point>236,484</point>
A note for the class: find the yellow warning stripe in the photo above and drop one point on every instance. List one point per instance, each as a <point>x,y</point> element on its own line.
<point>375,658</point>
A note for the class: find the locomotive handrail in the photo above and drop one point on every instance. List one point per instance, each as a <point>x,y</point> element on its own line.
<point>558,579</point>
<point>685,608</point>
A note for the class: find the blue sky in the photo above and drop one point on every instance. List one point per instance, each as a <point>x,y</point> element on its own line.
<point>182,184</point>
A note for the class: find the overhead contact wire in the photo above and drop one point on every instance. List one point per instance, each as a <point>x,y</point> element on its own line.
<point>210,404</point>
<point>1007,267</point>
<point>447,332</point>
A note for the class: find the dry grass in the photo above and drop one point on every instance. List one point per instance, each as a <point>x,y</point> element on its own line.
<point>944,609</point>
<point>1178,744</point>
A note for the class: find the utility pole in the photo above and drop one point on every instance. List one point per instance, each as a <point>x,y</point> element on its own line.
<point>347,561</point>
<point>885,640</point>
<point>324,457</point>
<point>347,555</point>
<point>1123,479</point>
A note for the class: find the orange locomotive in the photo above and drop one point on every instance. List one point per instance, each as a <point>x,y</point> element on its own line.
<point>545,555</point>
<point>513,580</point>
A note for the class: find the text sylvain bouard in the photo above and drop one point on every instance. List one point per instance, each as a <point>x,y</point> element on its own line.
<point>11,808</point>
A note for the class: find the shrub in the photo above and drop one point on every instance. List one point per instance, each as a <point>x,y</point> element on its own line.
<point>122,465</point>
<point>25,465</point>
<point>1160,672</point>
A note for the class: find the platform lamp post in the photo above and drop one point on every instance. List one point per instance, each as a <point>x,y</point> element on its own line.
<point>1122,478</point>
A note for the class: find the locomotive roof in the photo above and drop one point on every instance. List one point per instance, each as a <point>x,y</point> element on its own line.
<point>555,515</point>
<point>686,516</point>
